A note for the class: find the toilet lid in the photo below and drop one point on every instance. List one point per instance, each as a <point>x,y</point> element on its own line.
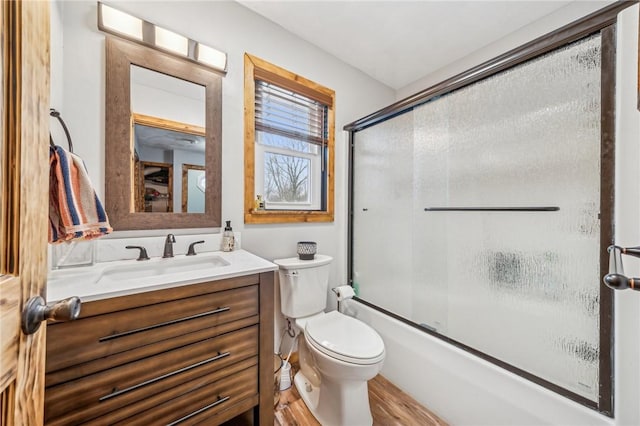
<point>344,337</point>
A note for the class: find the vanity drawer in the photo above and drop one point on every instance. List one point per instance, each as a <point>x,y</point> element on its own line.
<point>200,403</point>
<point>100,364</point>
<point>99,393</point>
<point>77,342</point>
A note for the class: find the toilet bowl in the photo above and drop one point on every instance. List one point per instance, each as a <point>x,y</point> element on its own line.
<point>338,353</point>
<point>347,353</point>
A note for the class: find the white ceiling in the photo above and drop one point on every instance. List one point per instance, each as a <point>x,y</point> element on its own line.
<point>168,140</point>
<point>399,42</point>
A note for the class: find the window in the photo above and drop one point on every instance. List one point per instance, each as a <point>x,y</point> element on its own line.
<point>289,146</point>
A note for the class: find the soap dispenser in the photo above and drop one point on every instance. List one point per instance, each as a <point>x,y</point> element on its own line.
<point>228,240</point>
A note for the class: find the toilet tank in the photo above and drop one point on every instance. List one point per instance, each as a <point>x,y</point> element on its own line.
<point>303,285</point>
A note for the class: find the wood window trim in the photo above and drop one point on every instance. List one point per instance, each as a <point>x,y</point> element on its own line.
<point>254,66</point>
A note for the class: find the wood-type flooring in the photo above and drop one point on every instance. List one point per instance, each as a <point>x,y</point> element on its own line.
<point>390,406</point>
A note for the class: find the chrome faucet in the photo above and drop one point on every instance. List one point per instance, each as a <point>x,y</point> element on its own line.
<point>168,246</point>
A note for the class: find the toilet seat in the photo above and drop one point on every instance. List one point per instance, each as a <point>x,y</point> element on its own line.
<point>345,338</point>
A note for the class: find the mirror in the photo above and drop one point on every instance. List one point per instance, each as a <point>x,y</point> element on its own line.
<point>168,130</point>
<point>162,140</point>
<point>155,187</point>
<point>170,145</point>
<point>193,188</point>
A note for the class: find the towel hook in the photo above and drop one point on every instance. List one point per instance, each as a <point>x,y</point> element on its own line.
<point>54,113</point>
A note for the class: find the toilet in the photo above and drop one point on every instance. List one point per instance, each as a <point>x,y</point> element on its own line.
<point>338,354</point>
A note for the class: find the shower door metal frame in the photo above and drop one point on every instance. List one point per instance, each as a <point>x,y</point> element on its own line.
<point>604,22</point>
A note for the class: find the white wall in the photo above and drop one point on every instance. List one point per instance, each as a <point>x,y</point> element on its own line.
<point>627,226</point>
<point>466,390</point>
<point>235,30</point>
<point>167,97</point>
<point>57,70</point>
<point>551,22</point>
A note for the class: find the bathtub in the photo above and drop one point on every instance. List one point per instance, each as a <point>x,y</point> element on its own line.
<point>462,388</point>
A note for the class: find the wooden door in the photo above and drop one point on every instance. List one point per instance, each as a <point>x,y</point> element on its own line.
<point>24,183</point>
<point>156,186</point>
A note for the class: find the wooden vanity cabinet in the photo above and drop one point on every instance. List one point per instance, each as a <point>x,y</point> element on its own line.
<point>195,354</point>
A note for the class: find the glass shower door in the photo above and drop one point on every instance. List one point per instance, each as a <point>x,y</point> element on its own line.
<point>519,286</point>
<point>382,214</point>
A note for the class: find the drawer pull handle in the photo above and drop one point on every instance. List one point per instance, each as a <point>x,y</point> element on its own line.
<point>164,376</point>
<point>195,413</point>
<point>163,324</point>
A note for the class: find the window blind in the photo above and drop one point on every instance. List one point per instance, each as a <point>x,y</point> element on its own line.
<point>284,112</point>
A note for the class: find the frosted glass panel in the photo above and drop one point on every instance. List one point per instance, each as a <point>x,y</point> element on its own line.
<point>522,287</point>
<point>382,213</point>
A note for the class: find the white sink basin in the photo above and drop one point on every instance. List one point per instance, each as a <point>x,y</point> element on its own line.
<point>143,270</point>
<point>123,277</point>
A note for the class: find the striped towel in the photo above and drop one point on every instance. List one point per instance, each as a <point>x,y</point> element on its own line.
<point>75,212</point>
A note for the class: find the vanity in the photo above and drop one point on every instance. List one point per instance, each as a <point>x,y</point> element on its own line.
<point>187,340</point>
<point>179,340</point>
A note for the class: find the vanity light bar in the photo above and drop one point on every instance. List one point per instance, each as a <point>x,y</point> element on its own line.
<point>168,40</point>
<point>117,22</point>
<point>213,57</point>
<point>120,23</point>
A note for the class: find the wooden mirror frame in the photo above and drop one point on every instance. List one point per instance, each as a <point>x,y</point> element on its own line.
<point>119,170</point>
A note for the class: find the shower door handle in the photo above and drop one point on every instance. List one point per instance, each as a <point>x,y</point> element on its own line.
<point>616,279</point>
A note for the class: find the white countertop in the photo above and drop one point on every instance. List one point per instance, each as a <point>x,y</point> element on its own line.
<point>124,277</point>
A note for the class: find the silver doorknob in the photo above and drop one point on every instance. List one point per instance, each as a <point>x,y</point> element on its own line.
<point>36,311</point>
